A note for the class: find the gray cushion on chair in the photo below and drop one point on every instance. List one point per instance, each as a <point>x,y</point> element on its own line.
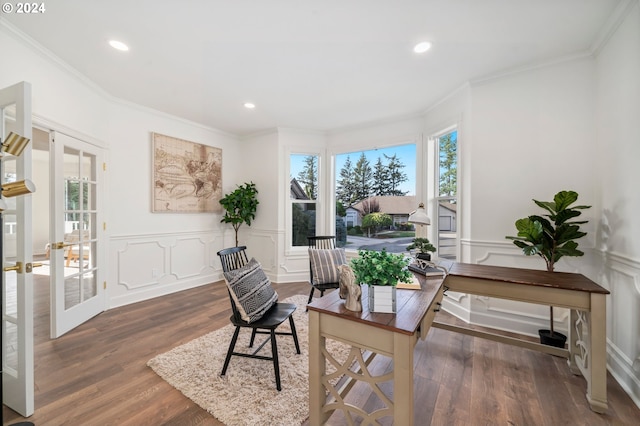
<point>251,291</point>
<point>324,264</point>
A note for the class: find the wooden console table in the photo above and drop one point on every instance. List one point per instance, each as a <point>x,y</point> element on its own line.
<point>587,353</point>
<point>392,335</point>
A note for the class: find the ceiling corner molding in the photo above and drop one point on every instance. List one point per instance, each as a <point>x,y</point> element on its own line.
<point>530,67</point>
<point>614,21</point>
<point>54,59</point>
<point>90,84</point>
<point>373,123</point>
<point>258,133</point>
<point>166,115</point>
<point>454,92</point>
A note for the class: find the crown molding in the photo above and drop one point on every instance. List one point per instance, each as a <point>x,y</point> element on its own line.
<point>617,17</point>
<point>56,61</point>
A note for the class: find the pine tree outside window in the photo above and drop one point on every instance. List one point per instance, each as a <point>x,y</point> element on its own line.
<point>303,198</point>
<point>447,190</point>
<point>375,192</point>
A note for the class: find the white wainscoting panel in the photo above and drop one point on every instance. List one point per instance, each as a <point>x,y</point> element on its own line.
<point>622,277</point>
<point>188,257</point>
<point>147,266</point>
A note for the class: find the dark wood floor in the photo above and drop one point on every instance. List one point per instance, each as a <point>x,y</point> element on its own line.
<point>97,373</point>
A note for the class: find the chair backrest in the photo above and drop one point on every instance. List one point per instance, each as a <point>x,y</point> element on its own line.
<point>322,241</point>
<point>233,258</point>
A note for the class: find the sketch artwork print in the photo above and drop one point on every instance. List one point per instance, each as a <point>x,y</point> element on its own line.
<point>187,176</point>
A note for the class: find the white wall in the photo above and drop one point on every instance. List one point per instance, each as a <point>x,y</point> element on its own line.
<point>158,253</point>
<point>533,135</point>
<point>148,254</point>
<point>618,153</point>
<point>259,164</point>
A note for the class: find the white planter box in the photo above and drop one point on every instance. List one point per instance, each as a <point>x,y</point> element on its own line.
<point>382,298</point>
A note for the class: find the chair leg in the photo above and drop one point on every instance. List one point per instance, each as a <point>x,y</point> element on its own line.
<point>293,332</point>
<point>310,297</point>
<point>232,346</point>
<point>276,365</point>
<point>253,338</point>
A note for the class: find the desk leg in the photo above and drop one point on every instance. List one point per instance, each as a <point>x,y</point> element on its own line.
<point>403,379</point>
<point>317,396</point>
<point>573,342</point>
<point>597,382</point>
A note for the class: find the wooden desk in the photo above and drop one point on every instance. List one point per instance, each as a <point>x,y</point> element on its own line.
<point>392,335</point>
<point>587,354</point>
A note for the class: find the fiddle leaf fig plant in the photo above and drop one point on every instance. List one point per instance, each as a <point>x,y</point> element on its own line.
<point>240,206</point>
<point>380,268</point>
<point>551,236</point>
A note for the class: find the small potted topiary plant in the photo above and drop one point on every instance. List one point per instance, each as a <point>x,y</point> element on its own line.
<point>423,248</point>
<point>551,237</point>
<point>381,271</point>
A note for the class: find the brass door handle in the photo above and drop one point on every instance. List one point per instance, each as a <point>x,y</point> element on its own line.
<point>17,267</point>
<point>61,245</point>
<point>29,266</point>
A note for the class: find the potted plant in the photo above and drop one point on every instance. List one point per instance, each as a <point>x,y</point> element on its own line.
<point>423,248</point>
<point>240,206</point>
<point>381,271</point>
<point>551,236</point>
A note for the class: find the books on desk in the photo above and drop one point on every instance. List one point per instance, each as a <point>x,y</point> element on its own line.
<point>428,271</point>
<point>431,269</point>
<point>413,285</point>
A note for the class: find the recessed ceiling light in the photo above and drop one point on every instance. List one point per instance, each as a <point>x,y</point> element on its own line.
<point>249,105</point>
<point>422,47</point>
<point>118,45</point>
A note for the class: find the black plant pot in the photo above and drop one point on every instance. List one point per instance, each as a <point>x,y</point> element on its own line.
<point>424,256</point>
<point>557,339</point>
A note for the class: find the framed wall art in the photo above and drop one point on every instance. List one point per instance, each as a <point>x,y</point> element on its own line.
<point>187,176</point>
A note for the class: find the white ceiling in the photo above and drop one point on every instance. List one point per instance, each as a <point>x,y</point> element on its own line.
<point>317,65</point>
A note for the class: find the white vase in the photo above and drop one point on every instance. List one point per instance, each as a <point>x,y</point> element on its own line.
<point>382,298</point>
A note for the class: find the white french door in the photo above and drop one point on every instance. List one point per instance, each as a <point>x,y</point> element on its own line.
<point>16,254</point>
<point>77,274</point>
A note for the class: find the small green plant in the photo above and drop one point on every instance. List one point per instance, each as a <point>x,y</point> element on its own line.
<point>240,206</point>
<point>422,245</point>
<point>380,268</point>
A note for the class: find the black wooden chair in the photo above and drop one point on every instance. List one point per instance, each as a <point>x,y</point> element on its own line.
<point>320,242</point>
<point>235,258</point>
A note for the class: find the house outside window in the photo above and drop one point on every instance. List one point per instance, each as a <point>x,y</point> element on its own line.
<point>375,191</point>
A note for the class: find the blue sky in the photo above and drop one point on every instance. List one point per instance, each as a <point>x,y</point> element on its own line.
<point>406,154</point>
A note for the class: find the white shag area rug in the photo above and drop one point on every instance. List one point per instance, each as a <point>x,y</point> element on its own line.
<point>247,394</point>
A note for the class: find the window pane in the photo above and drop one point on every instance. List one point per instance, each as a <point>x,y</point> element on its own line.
<point>447,235</point>
<point>375,192</point>
<point>303,222</point>
<point>448,170</point>
<point>304,177</point>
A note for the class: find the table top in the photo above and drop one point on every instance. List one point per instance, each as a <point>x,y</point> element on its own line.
<point>411,307</point>
<point>560,280</point>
